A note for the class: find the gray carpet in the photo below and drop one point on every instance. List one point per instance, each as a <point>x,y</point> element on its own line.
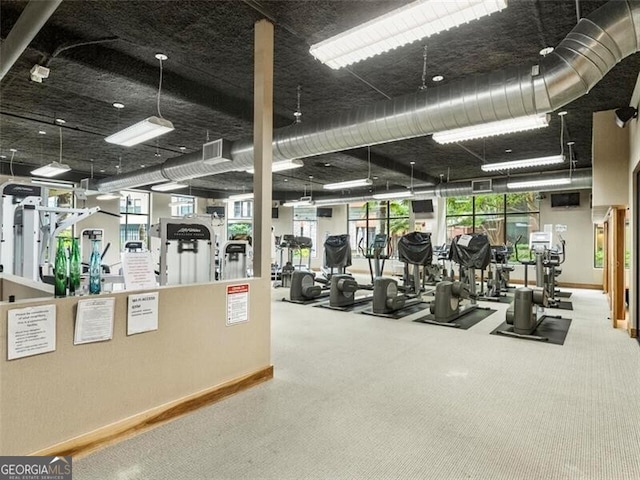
<point>392,399</point>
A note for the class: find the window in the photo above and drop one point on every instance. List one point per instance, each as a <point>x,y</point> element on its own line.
<point>366,219</point>
<point>505,219</point>
<point>240,222</point>
<point>598,243</point>
<point>182,205</point>
<point>134,217</point>
<point>305,224</point>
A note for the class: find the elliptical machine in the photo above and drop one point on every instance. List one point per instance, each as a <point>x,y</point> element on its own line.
<point>525,313</point>
<point>470,252</point>
<point>414,250</point>
<point>337,255</point>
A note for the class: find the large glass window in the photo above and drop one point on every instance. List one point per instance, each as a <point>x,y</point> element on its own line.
<point>366,219</point>
<point>134,217</point>
<point>305,224</point>
<point>503,218</point>
<point>240,222</point>
<point>182,205</point>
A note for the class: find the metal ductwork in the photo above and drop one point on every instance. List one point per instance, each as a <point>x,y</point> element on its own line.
<point>594,46</point>
<point>32,19</point>
<point>580,180</point>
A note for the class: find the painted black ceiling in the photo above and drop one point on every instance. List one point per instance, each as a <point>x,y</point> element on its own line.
<point>208,83</point>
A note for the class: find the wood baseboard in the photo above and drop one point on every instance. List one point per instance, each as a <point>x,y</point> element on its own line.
<point>588,286</point>
<point>90,442</point>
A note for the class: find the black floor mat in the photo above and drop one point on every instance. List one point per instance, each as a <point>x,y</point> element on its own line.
<point>403,312</point>
<point>563,305</point>
<point>359,304</point>
<point>503,299</point>
<point>563,294</point>
<point>324,298</point>
<point>553,328</point>
<point>466,321</point>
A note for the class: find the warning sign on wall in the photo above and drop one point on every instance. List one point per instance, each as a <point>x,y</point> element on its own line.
<point>237,304</point>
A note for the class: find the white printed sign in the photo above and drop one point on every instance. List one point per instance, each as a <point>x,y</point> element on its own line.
<point>142,313</point>
<point>465,240</point>
<point>31,331</point>
<point>94,320</point>
<point>137,269</point>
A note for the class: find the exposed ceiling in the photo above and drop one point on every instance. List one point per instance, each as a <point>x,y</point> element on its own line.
<point>208,83</point>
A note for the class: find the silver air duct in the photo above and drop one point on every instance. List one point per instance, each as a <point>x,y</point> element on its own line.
<point>591,49</point>
<point>580,180</point>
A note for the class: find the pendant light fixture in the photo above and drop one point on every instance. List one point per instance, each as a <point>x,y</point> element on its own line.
<point>361,182</point>
<point>146,129</point>
<point>54,168</point>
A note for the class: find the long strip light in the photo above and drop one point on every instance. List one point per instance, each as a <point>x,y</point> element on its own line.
<point>524,163</point>
<point>404,25</point>
<point>282,166</point>
<point>109,196</point>
<point>361,182</point>
<point>393,195</point>
<point>500,127</point>
<point>51,170</point>
<point>539,183</point>
<point>168,186</point>
<point>298,203</point>
<point>147,129</point>
<point>240,196</point>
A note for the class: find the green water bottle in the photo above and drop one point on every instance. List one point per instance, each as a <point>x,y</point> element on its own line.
<point>94,267</point>
<point>60,270</point>
<point>74,267</point>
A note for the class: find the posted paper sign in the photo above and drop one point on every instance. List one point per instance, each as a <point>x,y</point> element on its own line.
<point>94,320</point>
<point>31,331</point>
<point>237,304</point>
<point>142,313</point>
<point>464,240</point>
<point>137,269</point>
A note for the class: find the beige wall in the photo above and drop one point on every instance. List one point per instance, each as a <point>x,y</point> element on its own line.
<point>53,397</point>
<point>633,130</point>
<point>610,149</point>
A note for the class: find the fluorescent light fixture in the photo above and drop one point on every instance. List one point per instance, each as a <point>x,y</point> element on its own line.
<point>500,127</point>
<point>147,129</point>
<point>108,196</point>
<point>240,196</point>
<point>404,25</point>
<point>362,182</point>
<point>168,186</point>
<point>51,170</point>
<point>181,203</point>
<point>524,163</point>
<point>53,183</point>
<point>393,195</point>
<point>540,183</point>
<point>298,203</point>
<point>282,166</point>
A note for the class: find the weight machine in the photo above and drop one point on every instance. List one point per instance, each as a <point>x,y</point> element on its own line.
<point>29,230</point>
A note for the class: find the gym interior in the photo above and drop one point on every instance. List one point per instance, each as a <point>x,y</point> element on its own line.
<point>321,267</point>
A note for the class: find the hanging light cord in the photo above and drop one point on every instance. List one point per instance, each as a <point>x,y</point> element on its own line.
<point>298,112</point>
<point>11,162</point>
<point>60,128</point>
<point>424,69</point>
<point>369,162</point>
<point>411,188</point>
<point>562,135</point>
<point>159,88</point>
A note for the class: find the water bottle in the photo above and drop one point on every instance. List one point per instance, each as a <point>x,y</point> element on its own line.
<point>94,267</point>
<point>60,270</point>
<point>74,267</point>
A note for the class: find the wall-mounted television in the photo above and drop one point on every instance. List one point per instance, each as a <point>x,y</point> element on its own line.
<point>215,210</point>
<point>324,212</point>
<point>571,199</point>
<point>422,206</point>
<point>274,212</point>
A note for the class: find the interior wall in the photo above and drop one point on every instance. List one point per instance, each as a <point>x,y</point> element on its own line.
<point>53,397</point>
<point>633,128</point>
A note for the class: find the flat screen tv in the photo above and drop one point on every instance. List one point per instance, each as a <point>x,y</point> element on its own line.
<point>422,206</point>
<point>274,212</point>
<point>217,210</point>
<point>571,199</point>
<point>324,212</point>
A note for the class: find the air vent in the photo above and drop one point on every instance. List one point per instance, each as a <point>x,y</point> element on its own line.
<point>481,186</point>
<point>218,151</point>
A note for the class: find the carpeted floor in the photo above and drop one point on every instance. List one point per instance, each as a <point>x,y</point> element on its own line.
<point>361,397</point>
